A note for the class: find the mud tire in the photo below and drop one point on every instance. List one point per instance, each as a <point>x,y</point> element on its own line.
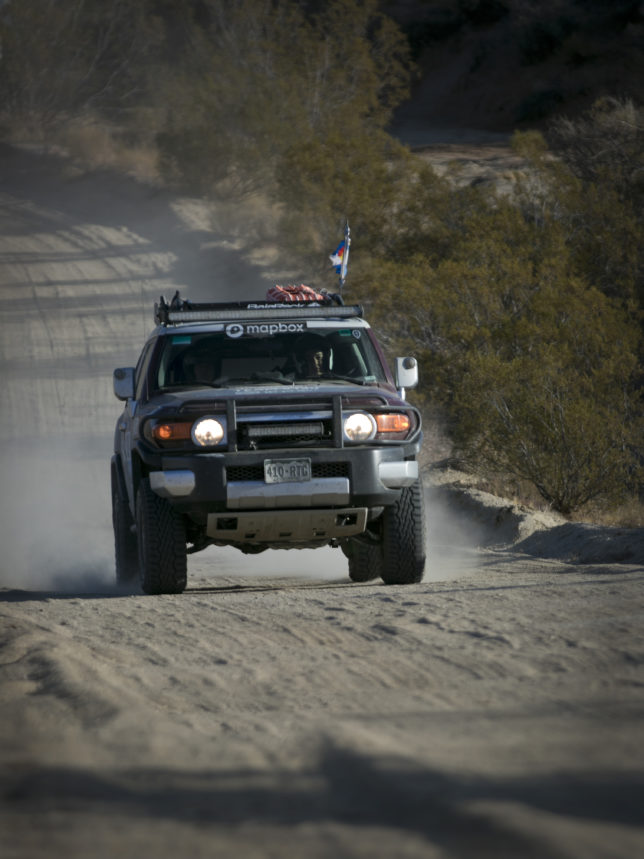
<point>403,538</point>
<point>364,561</point>
<point>161,533</point>
<point>125,550</point>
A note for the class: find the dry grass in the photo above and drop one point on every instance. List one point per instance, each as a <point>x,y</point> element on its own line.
<point>630,514</point>
<point>94,145</point>
<point>90,144</point>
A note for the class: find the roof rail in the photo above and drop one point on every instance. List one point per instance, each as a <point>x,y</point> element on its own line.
<point>180,311</point>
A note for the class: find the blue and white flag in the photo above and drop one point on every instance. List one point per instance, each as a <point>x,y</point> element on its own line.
<point>337,257</point>
<point>340,256</point>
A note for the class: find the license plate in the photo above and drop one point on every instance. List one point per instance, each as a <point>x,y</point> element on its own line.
<point>287,470</point>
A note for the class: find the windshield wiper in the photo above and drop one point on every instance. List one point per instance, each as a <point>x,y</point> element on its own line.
<point>353,379</point>
<point>249,380</point>
<point>183,385</point>
<point>269,376</point>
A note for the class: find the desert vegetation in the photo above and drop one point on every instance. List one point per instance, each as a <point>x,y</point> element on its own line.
<point>525,310</point>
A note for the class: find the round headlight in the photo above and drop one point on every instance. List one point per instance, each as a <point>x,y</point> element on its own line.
<point>359,427</point>
<point>207,432</point>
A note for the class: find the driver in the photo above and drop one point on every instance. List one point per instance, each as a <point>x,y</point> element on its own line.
<point>200,368</point>
<point>312,355</point>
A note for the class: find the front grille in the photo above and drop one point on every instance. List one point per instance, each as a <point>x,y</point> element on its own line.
<point>256,472</point>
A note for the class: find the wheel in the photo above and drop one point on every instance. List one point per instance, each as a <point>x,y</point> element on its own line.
<point>163,558</point>
<point>125,551</point>
<point>364,561</point>
<point>403,538</point>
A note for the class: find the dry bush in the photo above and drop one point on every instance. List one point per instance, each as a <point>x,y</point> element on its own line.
<point>95,145</point>
<point>630,514</point>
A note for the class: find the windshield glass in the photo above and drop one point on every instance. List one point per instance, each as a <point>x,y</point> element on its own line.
<point>218,359</point>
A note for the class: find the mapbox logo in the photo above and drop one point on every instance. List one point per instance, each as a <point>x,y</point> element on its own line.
<point>260,329</point>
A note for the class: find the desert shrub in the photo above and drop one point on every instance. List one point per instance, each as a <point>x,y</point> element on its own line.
<point>61,58</point>
<point>260,80</point>
<point>562,413</point>
<point>595,189</point>
<point>535,367</point>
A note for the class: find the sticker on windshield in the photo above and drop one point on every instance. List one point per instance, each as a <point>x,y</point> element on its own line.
<point>181,339</point>
<point>263,329</point>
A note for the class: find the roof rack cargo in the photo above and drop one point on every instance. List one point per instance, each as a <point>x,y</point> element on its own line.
<point>180,311</point>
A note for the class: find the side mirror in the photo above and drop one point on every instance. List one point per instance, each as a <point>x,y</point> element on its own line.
<point>124,383</point>
<point>406,374</point>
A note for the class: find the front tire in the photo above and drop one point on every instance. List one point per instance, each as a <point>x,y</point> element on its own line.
<point>161,533</point>
<point>403,538</point>
<point>125,551</point>
<point>364,561</point>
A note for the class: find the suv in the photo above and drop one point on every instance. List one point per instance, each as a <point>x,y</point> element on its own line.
<point>265,425</point>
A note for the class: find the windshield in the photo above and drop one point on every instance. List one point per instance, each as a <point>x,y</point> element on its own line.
<point>217,359</point>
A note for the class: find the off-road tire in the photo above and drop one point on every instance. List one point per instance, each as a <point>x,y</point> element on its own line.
<point>403,538</point>
<point>364,561</point>
<point>125,550</point>
<point>161,537</point>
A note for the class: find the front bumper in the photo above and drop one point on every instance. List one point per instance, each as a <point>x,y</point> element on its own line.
<point>350,477</point>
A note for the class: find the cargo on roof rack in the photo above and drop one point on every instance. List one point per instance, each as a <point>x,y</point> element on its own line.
<point>179,311</point>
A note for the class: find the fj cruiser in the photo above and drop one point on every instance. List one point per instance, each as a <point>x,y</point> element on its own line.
<point>265,425</point>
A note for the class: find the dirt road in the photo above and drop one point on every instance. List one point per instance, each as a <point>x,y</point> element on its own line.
<point>275,709</point>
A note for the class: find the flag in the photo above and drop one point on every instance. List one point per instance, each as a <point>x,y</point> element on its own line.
<point>337,256</point>
<point>340,256</point>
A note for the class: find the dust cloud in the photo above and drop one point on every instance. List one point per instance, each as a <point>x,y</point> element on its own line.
<point>55,519</point>
<point>56,530</point>
<point>451,540</point>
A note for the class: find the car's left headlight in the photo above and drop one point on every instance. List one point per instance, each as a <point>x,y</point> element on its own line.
<point>359,426</point>
<point>209,431</point>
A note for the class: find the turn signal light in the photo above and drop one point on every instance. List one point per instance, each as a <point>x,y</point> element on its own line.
<point>397,423</point>
<point>172,432</point>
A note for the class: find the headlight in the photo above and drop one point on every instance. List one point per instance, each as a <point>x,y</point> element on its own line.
<point>358,427</point>
<point>208,432</point>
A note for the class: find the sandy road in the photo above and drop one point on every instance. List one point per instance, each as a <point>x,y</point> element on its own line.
<point>274,709</point>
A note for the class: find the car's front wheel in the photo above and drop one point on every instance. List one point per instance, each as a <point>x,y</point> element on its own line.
<point>403,538</point>
<point>125,551</point>
<point>364,560</point>
<point>161,537</point>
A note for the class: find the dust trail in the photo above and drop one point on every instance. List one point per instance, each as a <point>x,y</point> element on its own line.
<point>55,519</point>
<point>56,530</point>
<point>451,540</point>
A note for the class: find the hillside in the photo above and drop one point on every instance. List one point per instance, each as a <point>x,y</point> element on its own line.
<point>497,65</point>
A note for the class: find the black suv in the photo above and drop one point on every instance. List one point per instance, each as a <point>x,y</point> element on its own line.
<point>265,425</point>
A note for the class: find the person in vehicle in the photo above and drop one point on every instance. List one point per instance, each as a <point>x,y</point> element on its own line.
<point>312,356</point>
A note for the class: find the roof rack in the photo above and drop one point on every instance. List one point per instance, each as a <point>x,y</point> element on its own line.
<point>180,311</point>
